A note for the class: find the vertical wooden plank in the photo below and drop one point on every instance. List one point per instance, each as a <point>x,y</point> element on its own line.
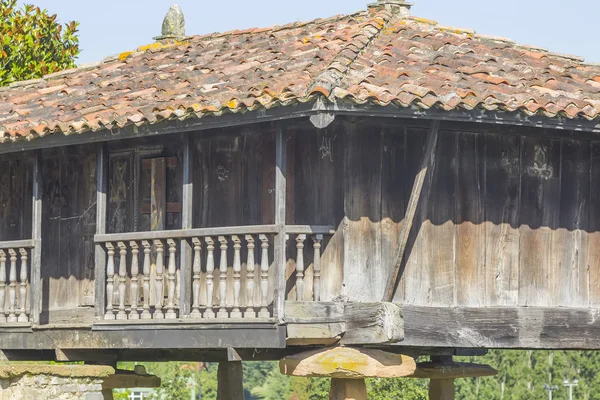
<point>362,205</point>
<point>502,193</point>
<point>158,195</point>
<point>36,235</point>
<point>438,229</point>
<point>594,226</point>
<point>187,214</point>
<point>539,216</point>
<point>470,230</point>
<point>101,209</point>
<point>414,287</point>
<point>572,278</point>
<point>279,262</point>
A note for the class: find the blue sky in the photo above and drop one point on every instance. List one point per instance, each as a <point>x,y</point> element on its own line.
<point>113,26</point>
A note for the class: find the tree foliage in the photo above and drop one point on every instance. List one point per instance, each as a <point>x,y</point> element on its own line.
<point>33,43</point>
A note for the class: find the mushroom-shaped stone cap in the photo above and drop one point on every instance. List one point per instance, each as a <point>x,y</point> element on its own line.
<point>348,363</point>
<point>174,23</point>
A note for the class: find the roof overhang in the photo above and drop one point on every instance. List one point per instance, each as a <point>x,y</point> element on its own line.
<point>579,128</point>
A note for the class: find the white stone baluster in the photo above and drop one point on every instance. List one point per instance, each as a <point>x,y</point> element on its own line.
<point>159,294</point>
<point>23,286</point>
<point>146,282</point>
<point>210,271</point>
<point>171,271</point>
<point>300,267</point>
<point>250,313</point>
<point>2,285</point>
<point>264,277</point>
<point>237,276</point>
<point>197,271</point>
<point>121,315</point>
<point>223,279</point>
<point>110,278</point>
<point>12,287</point>
<point>134,291</point>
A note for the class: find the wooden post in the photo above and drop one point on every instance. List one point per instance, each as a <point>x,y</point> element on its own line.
<point>134,291</point>
<point>223,279</point>
<point>23,289</point>
<point>197,270</point>
<point>100,253</point>
<point>35,292</point>
<point>146,280</point>
<point>230,378</point>
<point>411,209</point>
<point>237,275</point>
<point>279,262</point>
<point>210,276</point>
<point>250,268</point>
<point>187,212</point>
<point>159,288</point>
<point>171,272</point>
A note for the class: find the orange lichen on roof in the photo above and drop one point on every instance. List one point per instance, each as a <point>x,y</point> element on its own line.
<point>371,57</point>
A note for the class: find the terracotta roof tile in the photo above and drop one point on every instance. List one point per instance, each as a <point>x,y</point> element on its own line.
<point>367,57</point>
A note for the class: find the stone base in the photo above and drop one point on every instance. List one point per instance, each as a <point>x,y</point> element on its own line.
<point>67,382</point>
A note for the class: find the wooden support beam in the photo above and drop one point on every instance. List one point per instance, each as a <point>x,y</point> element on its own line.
<point>187,214</point>
<point>411,209</point>
<point>351,323</point>
<point>138,378</point>
<point>36,235</point>
<point>230,379</point>
<point>452,370</point>
<point>100,254</point>
<point>279,246</point>
<point>348,363</point>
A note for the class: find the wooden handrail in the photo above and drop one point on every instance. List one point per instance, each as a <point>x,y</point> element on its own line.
<point>310,229</point>
<point>187,233</point>
<point>18,244</point>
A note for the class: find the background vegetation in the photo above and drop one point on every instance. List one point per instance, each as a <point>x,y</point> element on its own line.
<point>522,375</point>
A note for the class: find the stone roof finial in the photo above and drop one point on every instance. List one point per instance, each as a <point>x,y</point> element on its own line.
<point>173,26</point>
<point>397,7</point>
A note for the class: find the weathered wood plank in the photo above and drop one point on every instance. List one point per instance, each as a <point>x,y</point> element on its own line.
<point>411,209</point>
<point>469,217</point>
<point>187,216</point>
<point>452,370</point>
<point>36,235</point>
<point>183,233</point>
<point>414,287</point>
<point>362,206</point>
<point>230,377</point>
<point>571,281</point>
<point>594,226</point>
<point>279,245</point>
<point>502,193</point>
<point>438,229</point>
<point>101,215</point>
<point>539,216</point>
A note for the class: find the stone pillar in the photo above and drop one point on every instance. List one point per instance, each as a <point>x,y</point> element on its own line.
<point>441,389</point>
<point>230,378</point>
<point>348,389</point>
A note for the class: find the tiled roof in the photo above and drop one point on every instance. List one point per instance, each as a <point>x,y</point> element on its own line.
<point>370,57</point>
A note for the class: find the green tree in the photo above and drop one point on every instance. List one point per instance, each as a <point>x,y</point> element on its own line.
<point>33,43</point>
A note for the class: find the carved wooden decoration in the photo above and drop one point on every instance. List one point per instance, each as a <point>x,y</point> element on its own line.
<point>223,279</point>
<point>146,280</point>
<point>110,277</point>
<point>134,291</point>
<point>300,267</point>
<point>210,270</point>
<point>12,288</point>
<point>317,239</point>
<point>250,267</point>
<point>237,270</point>
<point>23,286</point>
<point>171,271</point>
<point>121,314</point>
<point>264,277</point>
<point>159,289</point>
<point>197,270</point>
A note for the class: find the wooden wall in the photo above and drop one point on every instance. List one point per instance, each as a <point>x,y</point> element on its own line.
<point>15,198</point>
<point>505,219</point>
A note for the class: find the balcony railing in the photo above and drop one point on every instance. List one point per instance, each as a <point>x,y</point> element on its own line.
<point>14,281</point>
<point>230,272</point>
